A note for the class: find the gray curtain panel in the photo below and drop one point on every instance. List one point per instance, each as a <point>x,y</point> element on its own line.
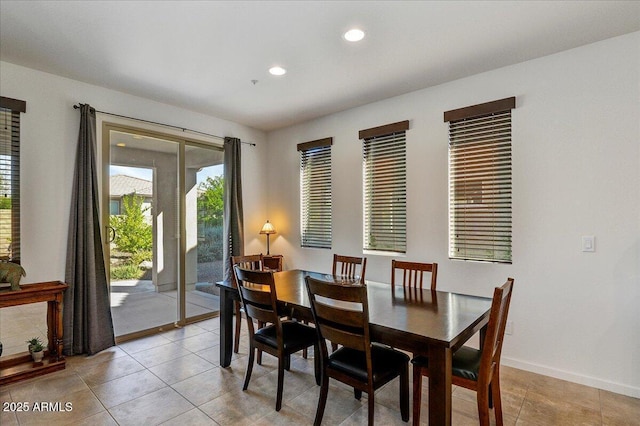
<point>88,326</point>
<point>233,223</point>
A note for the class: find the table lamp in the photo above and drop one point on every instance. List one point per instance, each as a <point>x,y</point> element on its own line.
<point>267,229</point>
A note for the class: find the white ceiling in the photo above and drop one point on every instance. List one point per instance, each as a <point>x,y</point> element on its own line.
<point>203,55</point>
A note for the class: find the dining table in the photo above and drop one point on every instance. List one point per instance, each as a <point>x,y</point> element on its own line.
<point>425,322</point>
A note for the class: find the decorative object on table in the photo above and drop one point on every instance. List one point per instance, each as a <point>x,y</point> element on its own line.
<point>11,272</point>
<point>268,229</point>
<point>36,349</point>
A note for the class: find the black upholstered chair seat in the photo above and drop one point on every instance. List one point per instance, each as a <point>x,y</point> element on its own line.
<point>465,363</point>
<point>296,336</point>
<point>384,361</point>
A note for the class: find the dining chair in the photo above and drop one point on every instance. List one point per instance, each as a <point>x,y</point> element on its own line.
<point>475,369</point>
<point>280,337</point>
<point>341,315</point>
<point>413,274</point>
<point>349,266</point>
<point>253,262</point>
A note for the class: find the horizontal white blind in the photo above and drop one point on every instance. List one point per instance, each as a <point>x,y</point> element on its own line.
<point>10,185</point>
<point>480,188</point>
<point>385,193</point>
<point>315,196</point>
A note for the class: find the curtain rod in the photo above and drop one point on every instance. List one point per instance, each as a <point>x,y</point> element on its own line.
<point>184,129</point>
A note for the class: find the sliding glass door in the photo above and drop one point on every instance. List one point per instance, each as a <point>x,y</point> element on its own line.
<point>164,230</point>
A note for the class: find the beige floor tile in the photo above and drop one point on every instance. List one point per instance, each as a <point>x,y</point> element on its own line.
<point>210,324</point>
<point>287,416</point>
<point>465,411</point>
<point>239,408</point>
<point>160,354</point>
<point>78,361</point>
<point>193,417</point>
<point>619,409</point>
<point>103,418</point>
<point>295,383</point>
<point>109,370</point>
<point>543,409</point>
<point>382,416</point>
<point>211,354</point>
<point>123,389</point>
<point>341,403</point>
<point>206,386</point>
<point>144,343</point>
<point>181,368</point>
<point>151,409</point>
<point>551,389</point>
<point>50,387</point>
<point>200,342</point>
<point>66,409</point>
<point>184,332</point>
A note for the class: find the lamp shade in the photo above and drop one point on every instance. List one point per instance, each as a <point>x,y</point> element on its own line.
<point>268,228</point>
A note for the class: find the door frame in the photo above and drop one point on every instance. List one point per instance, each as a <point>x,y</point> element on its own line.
<point>154,131</point>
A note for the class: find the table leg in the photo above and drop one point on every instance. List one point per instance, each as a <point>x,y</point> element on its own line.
<point>226,326</point>
<point>439,386</point>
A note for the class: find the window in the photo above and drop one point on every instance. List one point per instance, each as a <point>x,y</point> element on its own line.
<point>480,181</point>
<point>384,182</point>
<point>10,110</point>
<point>315,193</point>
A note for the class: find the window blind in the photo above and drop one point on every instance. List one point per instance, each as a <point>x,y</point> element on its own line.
<point>315,193</point>
<point>385,188</point>
<point>10,178</point>
<point>480,188</point>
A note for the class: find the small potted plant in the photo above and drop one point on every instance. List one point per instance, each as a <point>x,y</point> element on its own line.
<point>36,348</point>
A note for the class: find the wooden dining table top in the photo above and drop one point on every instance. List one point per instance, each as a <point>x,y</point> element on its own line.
<point>407,319</point>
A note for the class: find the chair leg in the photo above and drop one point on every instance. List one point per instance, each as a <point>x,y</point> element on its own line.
<point>247,374</point>
<point>281,362</point>
<point>304,351</point>
<point>483,405</point>
<point>259,359</point>
<point>404,393</point>
<point>371,407</point>
<point>322,399</point>
<point>417,394</point>
<point>287,362</point>
<point>236,342</point>
<point>357,393</point>
<point>497,399</point>
<point>317,365</point>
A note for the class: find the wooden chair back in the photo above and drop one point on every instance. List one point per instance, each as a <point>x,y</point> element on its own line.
<point>492,345</point>
<point>253,262</point>
<point>413,274</point>
<point>258,295</point>
<point>349,266</point>
<point>341,313</point>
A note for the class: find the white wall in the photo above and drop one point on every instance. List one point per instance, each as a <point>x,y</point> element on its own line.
<point>576,171</point>
<point>49,134</point>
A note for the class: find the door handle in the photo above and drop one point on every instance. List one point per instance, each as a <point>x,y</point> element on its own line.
<point>112,233</point>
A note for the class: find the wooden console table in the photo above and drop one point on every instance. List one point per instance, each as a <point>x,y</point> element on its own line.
<point>21,366</point>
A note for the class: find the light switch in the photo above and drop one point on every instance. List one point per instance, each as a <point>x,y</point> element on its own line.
<point>588,243</point>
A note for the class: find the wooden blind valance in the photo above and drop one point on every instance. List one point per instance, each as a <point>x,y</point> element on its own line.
<point>13,104</point>
<point>500,105</point>
<point>387,129</point>
<point>305,146</point>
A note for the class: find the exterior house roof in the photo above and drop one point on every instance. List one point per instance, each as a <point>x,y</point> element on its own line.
<point>123,185</point>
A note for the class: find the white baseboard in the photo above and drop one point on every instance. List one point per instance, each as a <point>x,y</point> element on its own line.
<point>620,388</point>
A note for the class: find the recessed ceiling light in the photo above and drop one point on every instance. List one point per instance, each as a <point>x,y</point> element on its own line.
<point>121,144</point>
<point>277,71</point>
<point>354,35</point>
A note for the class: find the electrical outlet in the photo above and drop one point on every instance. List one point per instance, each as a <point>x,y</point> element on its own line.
<point>509,328</point>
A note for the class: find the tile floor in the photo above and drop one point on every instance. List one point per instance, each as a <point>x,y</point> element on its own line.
<point>175,379</point>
